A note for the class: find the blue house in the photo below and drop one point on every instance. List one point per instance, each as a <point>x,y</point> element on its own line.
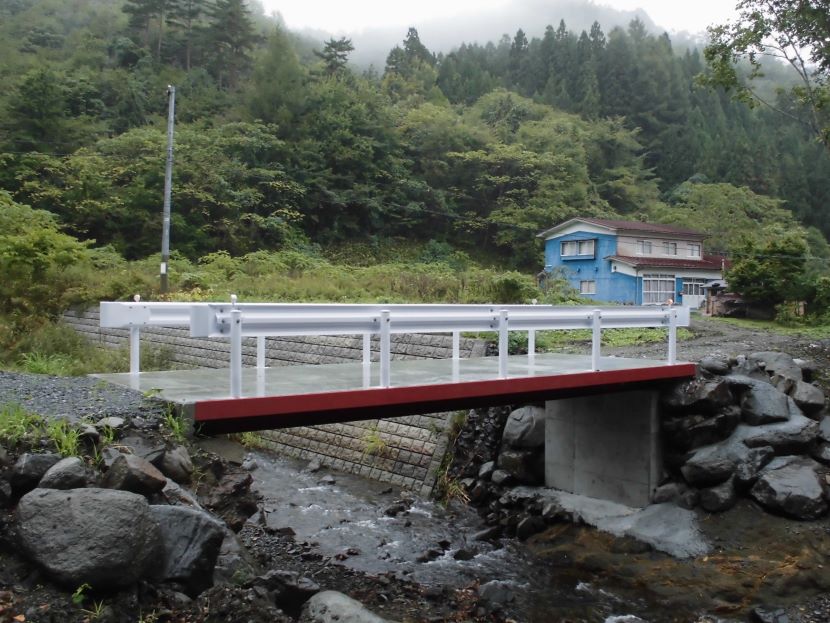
<point>630,262</point>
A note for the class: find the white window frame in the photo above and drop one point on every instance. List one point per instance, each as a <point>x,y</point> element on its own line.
<point>658,288</point>
<point>644,247</point>
<point>694,249</point>
<point>577,248</point>
<point>588,286</point>
<point>693,286</point>
<point>669,248</point>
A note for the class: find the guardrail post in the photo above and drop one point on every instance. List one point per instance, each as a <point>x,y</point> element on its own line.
<point>236,353</point>
<point>456,355</point>
<point>260,351</point>
<point>367,359</point>
<point>503,318</point>
<point>385,348</point>
<point>135,350</point>
<point>596,338</point>
<point>672,336</point>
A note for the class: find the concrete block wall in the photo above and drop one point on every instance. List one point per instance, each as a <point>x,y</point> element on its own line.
<point>405,451</point>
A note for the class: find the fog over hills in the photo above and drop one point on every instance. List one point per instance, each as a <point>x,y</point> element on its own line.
<point>532,16</point>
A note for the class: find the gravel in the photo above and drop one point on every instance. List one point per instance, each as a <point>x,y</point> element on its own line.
<point>74,398</point>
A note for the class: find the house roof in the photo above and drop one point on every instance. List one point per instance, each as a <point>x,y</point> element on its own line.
<point>633,226</point>
<point>709,262</point>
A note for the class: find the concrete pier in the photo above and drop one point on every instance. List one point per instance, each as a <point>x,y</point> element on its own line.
<point>604,446</point>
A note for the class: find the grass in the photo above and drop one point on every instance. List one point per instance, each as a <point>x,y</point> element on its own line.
<point>551,341</point>
<point>17,424</point>
<point>373,443</point>
<point>818,331</point>
<point>448,488</point>
<point>65,437</point>
<point>175,424</point>
<point>249,439</point>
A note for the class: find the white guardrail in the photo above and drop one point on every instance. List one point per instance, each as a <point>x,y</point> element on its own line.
<point>237,320</point>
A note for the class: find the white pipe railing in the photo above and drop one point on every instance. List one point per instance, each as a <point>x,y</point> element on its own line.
<point>237,320</point>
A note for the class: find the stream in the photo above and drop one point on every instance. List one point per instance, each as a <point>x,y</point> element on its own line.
<point>343,517</point>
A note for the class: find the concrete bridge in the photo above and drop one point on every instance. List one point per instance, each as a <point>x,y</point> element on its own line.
<point>601,424</point>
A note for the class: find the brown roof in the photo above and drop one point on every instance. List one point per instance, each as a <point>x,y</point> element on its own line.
<point>654,228</point>
<point>709,262</point>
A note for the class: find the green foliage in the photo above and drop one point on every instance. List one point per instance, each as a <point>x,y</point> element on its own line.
<point>79,595</point>
<point>175,425</point>
<point>770,271</point>
<point>374,443</point>
<point>64,437</point>
<point>53,364</point>
<point>17,424</point>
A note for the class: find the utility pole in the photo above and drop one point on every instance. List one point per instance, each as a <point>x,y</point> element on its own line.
<point>168,188</point>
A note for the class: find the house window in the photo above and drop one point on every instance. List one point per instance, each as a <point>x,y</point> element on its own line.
<point>587,287</point>
<point>693,287</point>
<point>643,247</point>
<point>657,288</point>
<point>582,248</point>
<point>694,250</point>
<point>669,248</point>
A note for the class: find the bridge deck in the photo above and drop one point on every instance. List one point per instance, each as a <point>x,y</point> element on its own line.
<point>287,396</point>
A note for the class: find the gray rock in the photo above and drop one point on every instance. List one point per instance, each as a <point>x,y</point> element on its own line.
<point>289,590</point>
<point>68,473</point>
<point>769,615</point>
<point>777,363</point>
<point>29,469</point>
<point>553,511</point>
<point>313,466</point>
<point>808,397</point>
<point>4,457</point>
<point>174,463</point>
<point>176,495</point>
<point>794,436</point>
<point>190,539</point>
<point>698,396</point>
<point>113,422</point>
<point>720,498</point>
<point>5,493</point>
<point>132,473</point>
<point>694,431</point>
<point>824,428</point>
<point>497,593</point>
<point>525,428</point>
<point>90,433</point>
<point>485,472</point>
<point>688,499</point>
<point>668,492</point>
<point>105,538</point>
<point>783,384</point>
<point>501,477</point>
<point>463,554</point>
<point>809,369</point>
<point>821,453</point>
<point>334,607</point>
<point>790,485</point>
<point>763,404</point>
<point>526,466</point>
<point>488,534</point>
<point>529,526</point>
<point>715,365</point>
<point>234,564</point>
<point>747,471</point>
<point>707,471</point>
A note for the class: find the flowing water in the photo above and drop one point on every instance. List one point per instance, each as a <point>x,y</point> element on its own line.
<point>348,514</point>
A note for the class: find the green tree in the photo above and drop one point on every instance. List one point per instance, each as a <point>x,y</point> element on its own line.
<point>335,55</point>
<point>795,31</point>
<point>231,37</point>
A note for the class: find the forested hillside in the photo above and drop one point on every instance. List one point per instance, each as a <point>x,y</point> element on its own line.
<point>280,145</point>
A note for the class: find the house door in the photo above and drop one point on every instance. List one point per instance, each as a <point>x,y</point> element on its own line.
<point>658,288</point>
<point>693,295</point>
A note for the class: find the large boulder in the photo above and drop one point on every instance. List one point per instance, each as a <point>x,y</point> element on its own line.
<point>132,473</point>
<point>720,498</point>
<point>191,540</point>
<point>747,471</point>
<point>777,363</point>
<point>101,537</point>
<point>764,404</point>
<point>693,431</point>
<point>175,463</point>
<point>289,590</point>
<point>68,473</point>
<point>705,471</point>
<point>795,436</point>
<point>698,396</point>
<point>29,469</point>
<point>790,485</point>
<point>809,397</point>
<point>525,428</point>
<point>334,607</point>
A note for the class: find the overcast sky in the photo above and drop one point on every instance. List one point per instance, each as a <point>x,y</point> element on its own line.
<point>355,15</point>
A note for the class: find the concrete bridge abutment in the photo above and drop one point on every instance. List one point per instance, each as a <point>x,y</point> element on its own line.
<point>604,446</point>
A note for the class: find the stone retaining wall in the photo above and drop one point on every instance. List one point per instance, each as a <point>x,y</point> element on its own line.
<point>405,451</point>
